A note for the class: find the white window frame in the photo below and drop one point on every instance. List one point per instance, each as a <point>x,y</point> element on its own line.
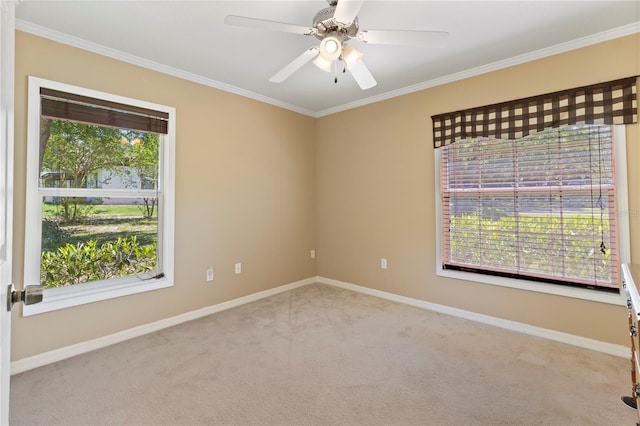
<point>80,294</point>
<point>559,290</point>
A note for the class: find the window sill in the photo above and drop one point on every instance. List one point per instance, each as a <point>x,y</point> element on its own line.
<point>558,290</point>
<point>66,297</point>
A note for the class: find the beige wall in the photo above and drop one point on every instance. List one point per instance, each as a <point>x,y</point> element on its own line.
<point>376,180</point>
<point>256,184</point>
<point>245,192</point>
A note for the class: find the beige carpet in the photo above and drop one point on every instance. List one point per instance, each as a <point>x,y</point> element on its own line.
<point>323,355</point>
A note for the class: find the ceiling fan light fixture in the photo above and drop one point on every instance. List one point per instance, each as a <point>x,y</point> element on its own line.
<point>330,48</point>
<point>350,55</point>
<point>322,63</point>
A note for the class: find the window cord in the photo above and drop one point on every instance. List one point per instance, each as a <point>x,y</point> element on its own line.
<point>155,277</point>
<point>603,247</point>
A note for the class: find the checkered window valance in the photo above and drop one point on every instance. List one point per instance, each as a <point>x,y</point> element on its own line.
<point>613,102</point>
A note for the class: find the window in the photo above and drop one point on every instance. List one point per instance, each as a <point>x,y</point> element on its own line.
<point>537,189</point>
<point>100,202</point>
<point>541,207</point>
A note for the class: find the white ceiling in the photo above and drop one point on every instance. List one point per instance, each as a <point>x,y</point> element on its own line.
<point>189,39</point>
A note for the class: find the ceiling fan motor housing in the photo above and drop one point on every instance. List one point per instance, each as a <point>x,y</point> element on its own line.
<point>325,25</point>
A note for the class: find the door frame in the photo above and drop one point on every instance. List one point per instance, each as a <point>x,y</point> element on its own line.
<point>7,78</point>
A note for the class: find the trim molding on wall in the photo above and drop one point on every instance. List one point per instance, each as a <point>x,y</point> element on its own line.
<point>516,60</point>
<point>582,342</point>
<point>60,354</point>
<point>494,66</point>
<point>55,355</point>
<point>119,55</point>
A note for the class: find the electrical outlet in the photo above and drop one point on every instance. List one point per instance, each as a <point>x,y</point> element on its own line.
<point>238,268</point>
<point>210,273</point>
<point>383,263</point>
<point>313,254</point>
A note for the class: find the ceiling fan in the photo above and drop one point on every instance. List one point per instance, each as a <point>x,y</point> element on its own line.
<point>335,26</point>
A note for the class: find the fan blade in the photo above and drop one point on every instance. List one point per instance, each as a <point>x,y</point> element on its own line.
<point>346,11</point>
<point>261,24</point>
<point>361,74</point>
<point>420,38</point>
<point>295,65</point>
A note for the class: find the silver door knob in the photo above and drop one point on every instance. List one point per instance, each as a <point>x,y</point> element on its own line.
<point>30,295</point>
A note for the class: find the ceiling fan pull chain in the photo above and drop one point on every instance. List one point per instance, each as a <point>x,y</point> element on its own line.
<point>335,72</point>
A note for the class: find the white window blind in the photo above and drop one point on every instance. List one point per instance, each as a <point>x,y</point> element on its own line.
<point>540,207</point>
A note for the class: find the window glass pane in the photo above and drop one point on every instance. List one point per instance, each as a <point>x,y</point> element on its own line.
<point>541,207</point>
<point>92,238</point>
<point>77,155</point>
<point>566,243</point>
<point>482,231</point>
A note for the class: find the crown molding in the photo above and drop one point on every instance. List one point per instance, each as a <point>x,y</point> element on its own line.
<point>99,49</point>
<point>175,72</point>
<point>495,66</point>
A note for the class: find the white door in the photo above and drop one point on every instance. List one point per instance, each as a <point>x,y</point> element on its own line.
<point>7,48</point>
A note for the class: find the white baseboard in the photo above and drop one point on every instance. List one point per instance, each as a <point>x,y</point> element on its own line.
<point>582,342</point>
<point>45,358</point>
